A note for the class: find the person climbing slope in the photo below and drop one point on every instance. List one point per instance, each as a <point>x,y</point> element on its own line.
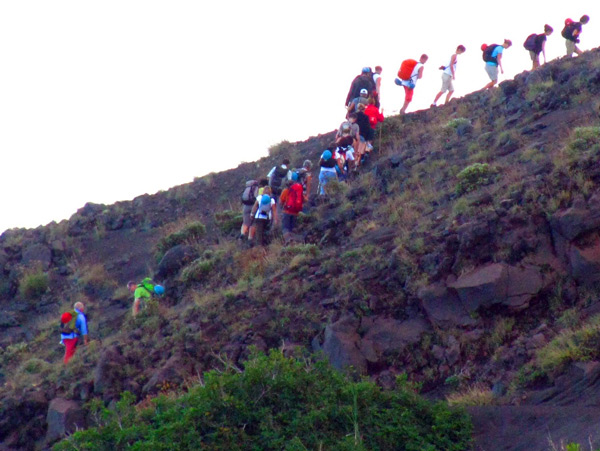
<point>73,324</point>
<point>410,72</point>
<point>277,175</point>
<point>571,32</point>
<point>291,200</point>
<point>492,55</point>
<point>448,76</point>
<point>536,44</point>
<point>362,99</point>
<point>248,198</point>
<point>362,81</point>
<point>142,293</point>
<point>328,172</point>
<point>264,213</point>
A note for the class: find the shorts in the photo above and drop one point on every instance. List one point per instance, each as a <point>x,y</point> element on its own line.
<point>288,222</point>
<point>571,46</point>
<point>534,56</point>
<point>492,71</point>
<point>409,93</point>
<point>447,83</point>
<point>247,215</point>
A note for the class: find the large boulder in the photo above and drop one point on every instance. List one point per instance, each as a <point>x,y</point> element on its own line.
<point>64,417</point>
<point>172,374</point>
<point>175,258</point>
<point>584,262</point>
<point>388,335</point>
<point>498,283</point>
<point>578,219</point>
<point>108,374</point>
<point>443,307</point>
<point>341,345</point>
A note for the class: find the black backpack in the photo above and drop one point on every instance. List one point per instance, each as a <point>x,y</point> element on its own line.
<point>530,42</point>
<point>487,54</point>
<point>567,32</point>
<point>277,178</point>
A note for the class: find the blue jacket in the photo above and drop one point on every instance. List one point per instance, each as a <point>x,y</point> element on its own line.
<point>80,324</point>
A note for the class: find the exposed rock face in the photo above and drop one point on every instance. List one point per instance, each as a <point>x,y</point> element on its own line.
<point>108,374</point>
<point>498,283</point>
<point>443,307</point>
<point>384,336</point>
<point>585,262</point>
<point>64,416</point>
<point>578,219</point>
<point>37,253</point>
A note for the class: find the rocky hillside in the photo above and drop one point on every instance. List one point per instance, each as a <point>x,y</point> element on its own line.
<point>466,254</point>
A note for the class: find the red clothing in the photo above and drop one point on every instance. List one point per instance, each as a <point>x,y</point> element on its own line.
<point>285,199</point>
<point>70,347</point>
<point>374,115</point>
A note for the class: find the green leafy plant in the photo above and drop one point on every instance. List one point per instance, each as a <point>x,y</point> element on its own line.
<point>278,403</point>
<point>474,176</point>
<point>190,234</point>
<point>33,284</point>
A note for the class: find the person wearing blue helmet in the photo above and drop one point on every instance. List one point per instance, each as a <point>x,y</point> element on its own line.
<point>264,212</point>
<point>362,81</point>
<point>328,171</point>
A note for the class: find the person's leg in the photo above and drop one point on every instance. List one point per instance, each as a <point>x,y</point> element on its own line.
<point>437,97</point>
<point>246,220</point>
<point>70,347</point>
<point>260,231</point>
<point>492,72</point>
<point>408,92</point>
<point>449,96</point>
<point>570,45</point>
<point>136,307</point>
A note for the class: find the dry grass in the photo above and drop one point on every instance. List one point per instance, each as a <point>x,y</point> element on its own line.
<point>476,395</point>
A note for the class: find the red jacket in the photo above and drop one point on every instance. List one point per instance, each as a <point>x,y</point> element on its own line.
<point>287,199</point>
<point>374,115</point>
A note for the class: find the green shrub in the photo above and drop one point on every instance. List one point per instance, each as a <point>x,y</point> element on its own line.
<point>33,285</point>
<point>278,403</point>
<point>585,138</point>
<point>572,345</point>
<point>34,366</point>
<point>190,234</point>
<point>198,271</point>
<point>455,123</point>
<point>474,176</point>
<point>281,150</point>
<point>229,221</point>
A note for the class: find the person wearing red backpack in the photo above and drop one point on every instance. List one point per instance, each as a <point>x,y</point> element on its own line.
<point>571,33</point>
<point>409,80</point>
<point>73,324</point>
<point>291,199</point>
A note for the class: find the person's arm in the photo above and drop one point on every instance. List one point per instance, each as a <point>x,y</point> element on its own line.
<point>308,185</point>
<point>421,72</point>
<point>544,50</point>
<point>254,208</point>
<point>82,326</point>
<point>499,59</point>
<point>452,63</point>
<point>378,84</point>
<point>274,209</point>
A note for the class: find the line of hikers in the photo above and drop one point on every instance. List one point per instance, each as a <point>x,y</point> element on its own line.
<point>367,84</point>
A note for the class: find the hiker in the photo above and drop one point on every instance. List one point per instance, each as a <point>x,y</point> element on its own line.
<point>410,71</point>
<point>348,128</point>
<point>262,184</point>
<point>291,200</point>
<point>448,76</point>
<point>277,175</point>
<point>536,44</point>
<point>142,292</point>
<point>492,55</point>
<point>571,32</point>
<point>362,81</point>
<point>344,155</point>
<point>363,99</point>
<point>373,113</point>
<point>305,178</point>
<point>328,172</point>
<point>263,212</point>
<point>377,80</point>
<point>366,134</point>
<point>248,198</point>
<point>73,324</point>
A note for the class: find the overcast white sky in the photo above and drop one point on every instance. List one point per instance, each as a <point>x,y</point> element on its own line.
<point>107,100</point>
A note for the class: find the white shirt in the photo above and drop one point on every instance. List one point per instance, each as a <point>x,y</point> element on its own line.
<point>259,214</point>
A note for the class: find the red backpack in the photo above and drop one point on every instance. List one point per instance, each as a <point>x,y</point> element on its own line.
<point>406,69</point>
<point>293,203</point>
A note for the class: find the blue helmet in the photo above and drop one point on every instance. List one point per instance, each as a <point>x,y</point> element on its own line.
<point>159,289</point>
<point>266,199</point>
<point>327,155</point>
<point>295,176</point>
